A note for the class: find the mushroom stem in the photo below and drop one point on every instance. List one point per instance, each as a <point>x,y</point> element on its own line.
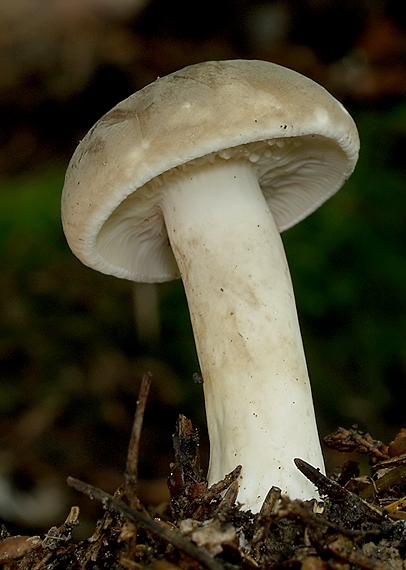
<point>257,391</point>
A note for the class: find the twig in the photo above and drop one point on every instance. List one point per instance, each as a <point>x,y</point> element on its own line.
<point>201,555</point>
<point>395,476</point>
<point>338,494</point>
<point>131,470</point>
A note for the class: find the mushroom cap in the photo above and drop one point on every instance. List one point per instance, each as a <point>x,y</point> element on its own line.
<point>110,217</point>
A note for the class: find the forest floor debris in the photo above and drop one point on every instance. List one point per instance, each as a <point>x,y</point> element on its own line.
<point>359,522</point>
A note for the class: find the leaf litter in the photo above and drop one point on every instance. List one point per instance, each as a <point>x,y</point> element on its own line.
<point>358,523</point>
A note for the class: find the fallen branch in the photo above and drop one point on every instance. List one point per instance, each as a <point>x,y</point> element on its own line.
<point>201,555</point>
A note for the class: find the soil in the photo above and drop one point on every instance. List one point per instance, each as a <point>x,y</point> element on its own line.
<point>359,523</point>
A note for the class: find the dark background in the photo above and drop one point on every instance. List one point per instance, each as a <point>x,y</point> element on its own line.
<point>73,347</point>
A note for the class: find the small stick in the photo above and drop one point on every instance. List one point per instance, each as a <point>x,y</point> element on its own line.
<point>337,493</point>
<point>131,470</point>
<point>201,555</point>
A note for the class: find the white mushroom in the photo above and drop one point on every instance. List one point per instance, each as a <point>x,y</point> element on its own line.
<point>195,175</point>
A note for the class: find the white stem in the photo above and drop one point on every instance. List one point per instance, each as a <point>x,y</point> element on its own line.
<point>257,392</point>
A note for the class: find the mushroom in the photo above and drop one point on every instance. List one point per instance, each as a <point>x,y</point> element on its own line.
<point>194,176</point>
